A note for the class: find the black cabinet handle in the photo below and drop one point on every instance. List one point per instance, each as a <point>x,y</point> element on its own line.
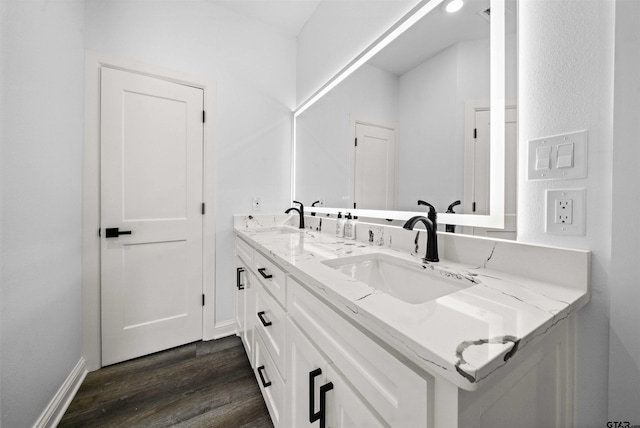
<point>238,272</point>
<point>262,320</point>
<point>321,415</point>
<point>264,383</point>
<point>264,275</point>
<point>114,232</point>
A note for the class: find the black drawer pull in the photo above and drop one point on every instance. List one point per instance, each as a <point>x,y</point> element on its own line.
<point>262,320</point>
<point>264,383</point>
<point>321,415</point>
<point>114,232</point>
<point>238,272</point>
<point>264,275</point>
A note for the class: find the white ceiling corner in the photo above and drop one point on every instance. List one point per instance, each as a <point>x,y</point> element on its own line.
<point>287,16</point>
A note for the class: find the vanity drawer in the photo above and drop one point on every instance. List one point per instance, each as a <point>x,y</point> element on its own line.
<point>270,382</point>
<point>272,277</point>
<point>269,320</point>
<point>244,251</point>
<point>397,393</point>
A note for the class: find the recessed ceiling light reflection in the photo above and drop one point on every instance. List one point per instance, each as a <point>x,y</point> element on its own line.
<point>453,6</point>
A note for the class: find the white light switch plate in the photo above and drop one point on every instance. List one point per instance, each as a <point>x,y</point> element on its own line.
<point>577,165</point>
<point>565,211</point>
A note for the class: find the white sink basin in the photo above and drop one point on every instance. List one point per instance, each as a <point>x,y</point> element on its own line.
<point>411,282</point>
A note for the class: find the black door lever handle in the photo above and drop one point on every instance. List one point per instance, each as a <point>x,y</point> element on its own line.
<point>114,232</point>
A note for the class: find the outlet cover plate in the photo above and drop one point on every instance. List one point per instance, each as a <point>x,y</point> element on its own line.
<point>578,209</point>
<point>256,204</point>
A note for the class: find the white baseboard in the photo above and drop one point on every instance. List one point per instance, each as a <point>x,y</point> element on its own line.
<point>225,328</point>
<point>52,415</point>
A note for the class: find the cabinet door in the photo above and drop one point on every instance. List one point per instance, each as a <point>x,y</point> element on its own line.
<point>241,280</point>
<point>270,382</point>
<point>310,378</point>
<point>345,409</point>
<point>303,359</point>
<point>398,394</point>
<point>249,292</point>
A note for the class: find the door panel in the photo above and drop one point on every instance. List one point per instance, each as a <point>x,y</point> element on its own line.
<point>154,190</point>
<point>150,272</point>
<point>481,163</point>
<point>374,170</point>
<point>151,185</point>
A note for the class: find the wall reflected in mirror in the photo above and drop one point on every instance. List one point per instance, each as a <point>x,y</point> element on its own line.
<point>413,122</point>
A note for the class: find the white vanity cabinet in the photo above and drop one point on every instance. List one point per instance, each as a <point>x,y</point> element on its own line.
<point>317,366</point>
<point>291,334</point>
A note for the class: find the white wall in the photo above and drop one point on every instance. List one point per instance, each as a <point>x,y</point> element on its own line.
<point>254,68</point>
<point>41,133</point>
<point>338,31</point>
<point>566,84</point>
<point>431,123</point>
<point>624,340</point>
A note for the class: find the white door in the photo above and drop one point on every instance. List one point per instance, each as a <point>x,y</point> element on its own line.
<point>151,136</point>
<point>481,164</point>
<point>477,171</point>
<point>373,172</point>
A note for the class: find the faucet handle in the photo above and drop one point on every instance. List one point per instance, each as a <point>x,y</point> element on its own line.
<point>453,204</point>
<point>433,214</point>
<point>421,202</point>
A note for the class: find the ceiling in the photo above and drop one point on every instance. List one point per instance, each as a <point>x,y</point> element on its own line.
<point>432,34</point>
<point>287,16</point>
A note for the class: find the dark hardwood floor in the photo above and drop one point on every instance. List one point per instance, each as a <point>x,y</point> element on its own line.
<point>202,384</point>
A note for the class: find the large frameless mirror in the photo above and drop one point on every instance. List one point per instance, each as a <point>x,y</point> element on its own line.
<point>427,113</point>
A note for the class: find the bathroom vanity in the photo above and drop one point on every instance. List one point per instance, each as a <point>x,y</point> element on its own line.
<point>349,333</point>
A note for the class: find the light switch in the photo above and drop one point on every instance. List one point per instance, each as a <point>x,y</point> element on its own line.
<point>543,158</point>
<point>565,156</point>
<point>558,157</point>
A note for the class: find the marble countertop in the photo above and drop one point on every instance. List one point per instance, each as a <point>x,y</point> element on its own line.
<point>465,336</point>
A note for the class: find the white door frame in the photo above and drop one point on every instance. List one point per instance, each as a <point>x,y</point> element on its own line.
<point>360,120</point>
<point>91,328</point>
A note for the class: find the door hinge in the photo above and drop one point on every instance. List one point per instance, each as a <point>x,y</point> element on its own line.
<point>354,205</point>
<point>473,207</point>
<point>99,234</point>
<point>203,300</point>
<point>204,210</point>
<point>356,142</point>
<point>475,132</point>
<point>203,116</point>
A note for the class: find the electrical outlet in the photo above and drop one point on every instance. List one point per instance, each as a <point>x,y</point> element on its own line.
<point>257,203</point>
<point>565,211</point>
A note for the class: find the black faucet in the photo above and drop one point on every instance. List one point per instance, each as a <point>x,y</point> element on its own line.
<point>313,205</point>
<point>433,215</point>
<point>451,227</point>
<point>300,211</point>
<point>432,238</point>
